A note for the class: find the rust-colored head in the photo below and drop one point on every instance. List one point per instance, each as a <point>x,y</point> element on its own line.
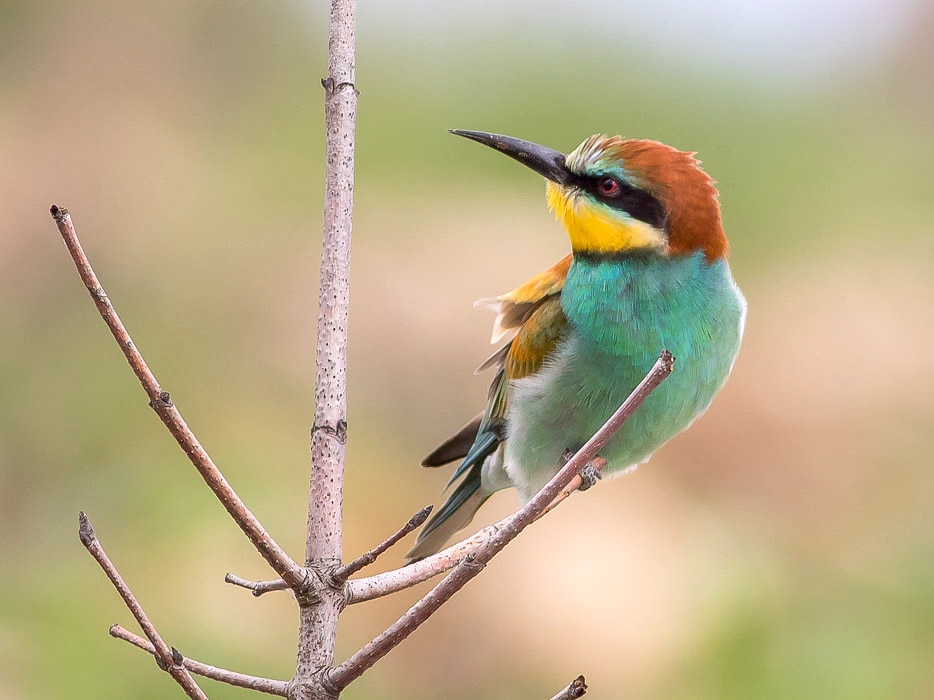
<point>618,195</point>
<point>688,193</point>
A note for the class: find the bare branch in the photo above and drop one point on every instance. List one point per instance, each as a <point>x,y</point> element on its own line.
<point>367,558</point>
<point>351,669</point>
<point>364,589</point>
<point>341,574</point>
<point>162,404</point>
<point>257,587</point>
<point>576,689</point>
<point>323,545</point>
<point>241,680</point>
<point>169,660</point>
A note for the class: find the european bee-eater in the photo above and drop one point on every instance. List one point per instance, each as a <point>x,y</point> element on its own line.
<point>648,271</point>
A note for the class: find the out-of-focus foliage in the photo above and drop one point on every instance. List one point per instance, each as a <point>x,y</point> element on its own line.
<point>781,548</point>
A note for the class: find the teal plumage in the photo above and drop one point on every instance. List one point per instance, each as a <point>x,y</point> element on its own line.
<point>621,313</point>
<point>649,271</point>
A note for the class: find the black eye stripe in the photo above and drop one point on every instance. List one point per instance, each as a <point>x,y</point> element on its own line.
<point>639,204</point>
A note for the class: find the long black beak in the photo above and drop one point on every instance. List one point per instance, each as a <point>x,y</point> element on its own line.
<point>542,160</point>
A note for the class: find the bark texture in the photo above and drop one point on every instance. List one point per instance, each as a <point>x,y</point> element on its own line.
<point>318,618</point>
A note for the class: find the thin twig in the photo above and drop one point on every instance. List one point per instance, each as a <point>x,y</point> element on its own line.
<point>351,669</point>
<point>576,689</point>
<point>367,558</point>
<point>340,575</point>
<point>162,404</point>
<point>368,588</point>
<point>241,680</point>
<point>169,660</point>
<point>257,587</point>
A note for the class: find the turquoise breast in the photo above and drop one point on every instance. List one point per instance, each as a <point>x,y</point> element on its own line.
<point>622,312</point>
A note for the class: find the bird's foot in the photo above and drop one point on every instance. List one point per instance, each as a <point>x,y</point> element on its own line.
<point>590,475</point>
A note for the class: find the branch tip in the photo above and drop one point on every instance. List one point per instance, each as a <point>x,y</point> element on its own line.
<point>420,517</point>
<point>668,363</point>
<point>342,573</point>
<point>161,402</point>
<point>575,689</point>
<point>85,530</point>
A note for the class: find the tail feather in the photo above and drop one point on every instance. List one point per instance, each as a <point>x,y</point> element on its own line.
<point>455,447</point>
<point>455,514</point>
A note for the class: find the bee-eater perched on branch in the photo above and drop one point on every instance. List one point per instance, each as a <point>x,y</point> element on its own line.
<point>648,271</point>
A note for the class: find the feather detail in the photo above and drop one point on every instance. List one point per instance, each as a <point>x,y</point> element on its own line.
<point>455,447</point>
<point>497,358</point>
<point>534,310</point>
<point>514,308</point>
<point>537,339</point>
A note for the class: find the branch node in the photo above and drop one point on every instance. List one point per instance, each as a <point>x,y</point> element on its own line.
<point>590,475</point>
<point>85,530</point>
<point>309,592</point>
<point>164,400</point>
<point>324,678</point>
<point>304,598</point>
<point>471,561</point>
<point>330,87</point>
<point>183,666</point>
<point>339,432</point>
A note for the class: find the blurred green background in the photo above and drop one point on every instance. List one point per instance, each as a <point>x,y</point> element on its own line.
<point>783,547</point>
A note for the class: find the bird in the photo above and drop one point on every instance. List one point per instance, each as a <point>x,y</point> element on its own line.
<point>648,270</point>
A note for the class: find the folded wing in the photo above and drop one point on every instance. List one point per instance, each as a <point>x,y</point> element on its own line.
<point>534,312</point>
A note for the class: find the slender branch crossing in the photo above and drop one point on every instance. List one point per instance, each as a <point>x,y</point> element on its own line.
<point>169,660</point>
<point>344,674</point>
<point>367,558</point>
<point>241,680</point>
<point>162,404</point>
<point>379,585</point>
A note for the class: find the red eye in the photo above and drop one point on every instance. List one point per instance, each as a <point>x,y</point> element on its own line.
<point>609,187</point>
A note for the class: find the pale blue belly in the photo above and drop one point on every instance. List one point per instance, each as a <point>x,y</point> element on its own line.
<point>622,314</point>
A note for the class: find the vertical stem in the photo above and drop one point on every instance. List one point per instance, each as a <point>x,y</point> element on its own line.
<point>318,618</point>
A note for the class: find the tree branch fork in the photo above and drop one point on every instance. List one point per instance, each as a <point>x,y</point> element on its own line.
<point>464,560</point>
<point>322,585</point>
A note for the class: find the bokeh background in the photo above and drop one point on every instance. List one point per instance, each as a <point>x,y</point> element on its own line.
<point>784,547</point>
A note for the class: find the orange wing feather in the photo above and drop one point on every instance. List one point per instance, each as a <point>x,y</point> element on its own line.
<point>514,308</point>
<point>537,338</point>
<point>534,309</point>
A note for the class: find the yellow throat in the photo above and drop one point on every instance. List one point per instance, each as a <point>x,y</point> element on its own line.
<point>594,228</point>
